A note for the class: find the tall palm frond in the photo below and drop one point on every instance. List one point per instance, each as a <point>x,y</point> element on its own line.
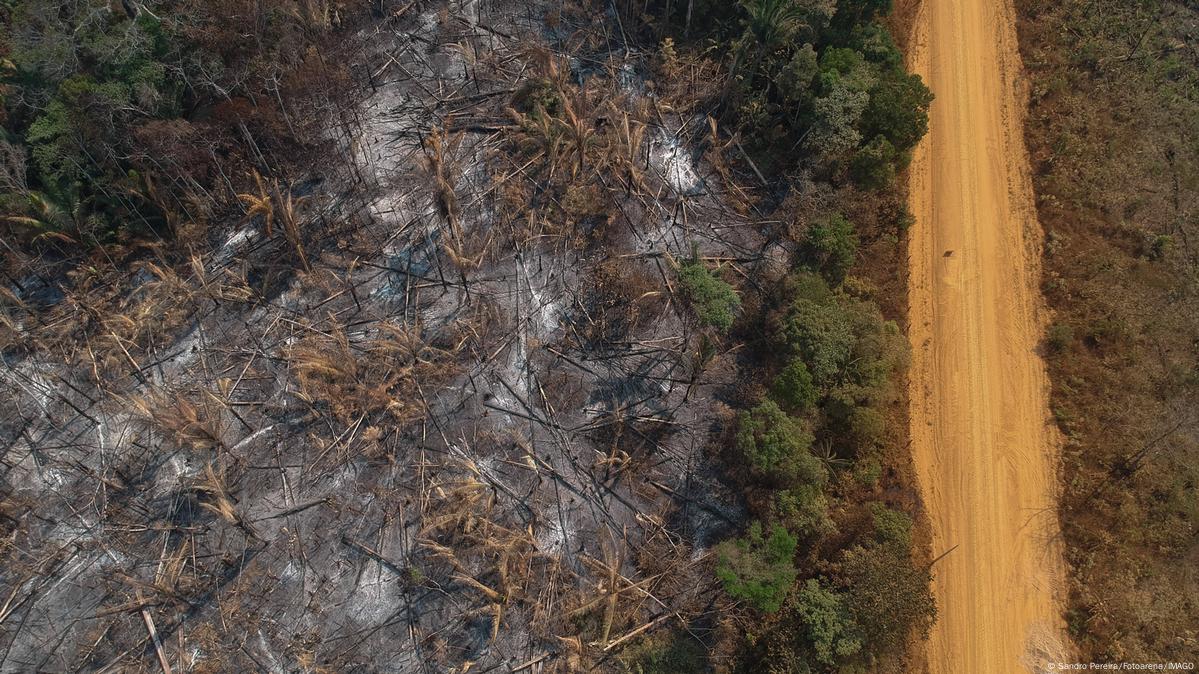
<point>259,204</point>
<point>773,22</point>
<point>51,213</point>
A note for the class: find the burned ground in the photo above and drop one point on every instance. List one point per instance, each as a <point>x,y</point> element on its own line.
<point>406,426</point>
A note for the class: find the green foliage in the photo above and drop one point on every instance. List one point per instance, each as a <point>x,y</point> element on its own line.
<point>833,245</point>
<point>836,115</point>
<point>828,76</point>
<point>773,22</point>
<point>898,110</point>
<point>875,43</point>
<point>822,334</point>
<point>891,526</point>
<point>795,79</point>
<point>828,624</point>
<point>538,98</point>
<point>857,12</point>
<point>670,653</point>
<point>849,348</point>
<point>1058,337</point>
<point>804,509</point>
<point>875,164</point>
<point>714,301</point>
<point>794,388</point>
<point>887,596</point>
<point>866,426</point>
<point>777,446</point>
<point>758,570</point>
<point>84,76</point>
<point>868,471</point>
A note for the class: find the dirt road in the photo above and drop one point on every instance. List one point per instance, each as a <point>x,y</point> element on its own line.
<point>984,450</point>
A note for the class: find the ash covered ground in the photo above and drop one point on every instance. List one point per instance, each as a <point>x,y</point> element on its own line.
<point>418,426</point>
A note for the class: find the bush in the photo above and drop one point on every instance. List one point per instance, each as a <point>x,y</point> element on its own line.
<point>1058,337</point>
<point>828,624</point>
<point>794,388</point>
<point>758,570</point>
<point>804,509</point>
<point>714,301</point>
<point>666,654</point>
<point>778,447</point>
<point>887,596</point>
<point>538,97</point>
<point>891,526</point>
<point>833,246</point>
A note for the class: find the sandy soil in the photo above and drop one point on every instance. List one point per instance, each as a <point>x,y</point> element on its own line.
<point>984,449</point>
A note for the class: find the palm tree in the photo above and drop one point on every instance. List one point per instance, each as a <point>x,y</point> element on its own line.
<point>51,212</point>
<point>771,23</point>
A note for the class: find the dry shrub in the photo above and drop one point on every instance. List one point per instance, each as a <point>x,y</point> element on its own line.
<point>622,297</point>
<point>476,545</point>
<point>186,422</point>
<point>353,380</point>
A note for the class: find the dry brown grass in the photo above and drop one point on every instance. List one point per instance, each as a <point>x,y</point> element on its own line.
<point>354,380</point>
<point>187,422</point>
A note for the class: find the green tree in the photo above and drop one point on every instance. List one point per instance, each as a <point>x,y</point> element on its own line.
<point>827,623</point>
<point>891,526</point>
<point>714,301</point>
<point>898,110</point>
<point>858,12</point>
<point>769,24</point>
<point>795,79</point>
<point>875,164</point>
<point>835,118</point>
<point>794,388</point>
<point>833,245</point>
<point>777,446</point>
<point>757,569</point>
<point>804,509</point>
<point>772,23</point>
<point>887,595</point>
<point>822,334</point>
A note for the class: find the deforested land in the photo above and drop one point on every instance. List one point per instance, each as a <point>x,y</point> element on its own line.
<point>458,336</point>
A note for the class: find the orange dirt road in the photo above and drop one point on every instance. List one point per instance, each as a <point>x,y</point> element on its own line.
<point>985,452</point>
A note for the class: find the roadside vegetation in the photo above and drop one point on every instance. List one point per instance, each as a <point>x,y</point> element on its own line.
<point>1113,118</point>
<point>816,96</point>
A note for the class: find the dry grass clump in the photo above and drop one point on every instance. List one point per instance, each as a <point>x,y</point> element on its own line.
<point>102,322</point>
<point>579,149</point>
<point>470,539</point>
<point>622,296</point>
<point>271,203</point>
<point>185,421</point>
<point>13,313</point>
<point>355,380</point>
<point>466,250</point>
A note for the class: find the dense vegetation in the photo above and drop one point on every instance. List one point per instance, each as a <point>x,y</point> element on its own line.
<point>828,563</point>
<point>125,119</point>
<point>816,79</point>
<point>1113,120</point>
